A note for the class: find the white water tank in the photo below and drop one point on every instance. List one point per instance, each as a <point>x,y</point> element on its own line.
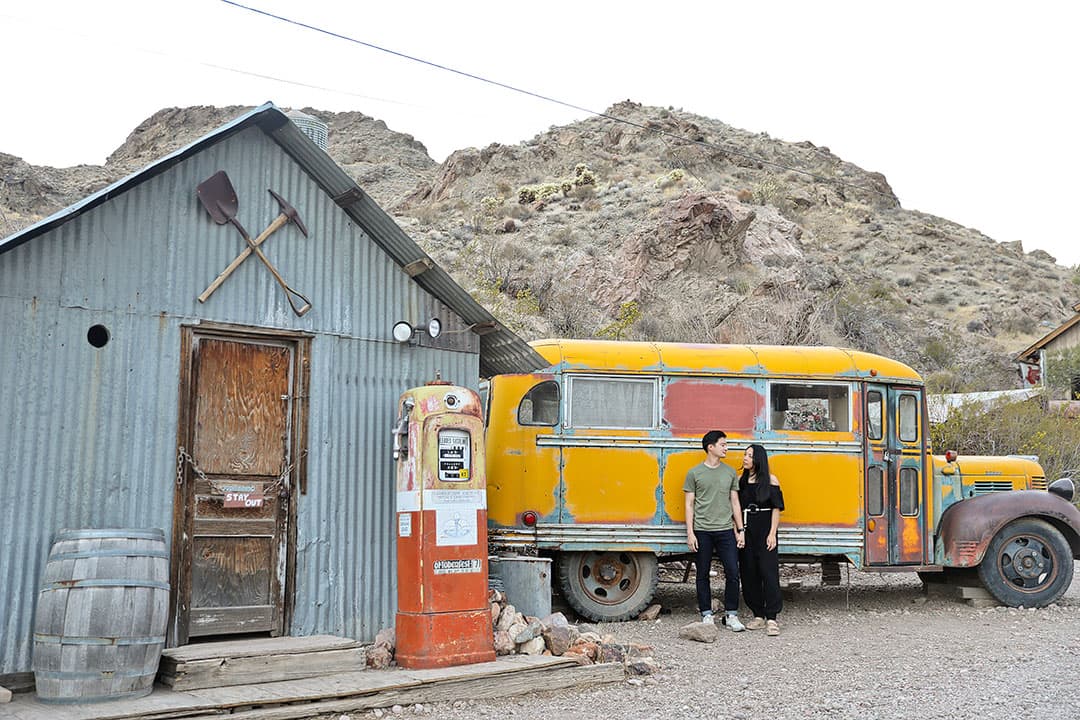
<point>313,127</point>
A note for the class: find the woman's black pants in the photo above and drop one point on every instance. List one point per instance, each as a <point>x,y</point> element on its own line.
<point>759,569</point>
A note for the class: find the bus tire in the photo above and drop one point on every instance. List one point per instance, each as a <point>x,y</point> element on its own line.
<point>607,585</point>
<point>1028,563</point>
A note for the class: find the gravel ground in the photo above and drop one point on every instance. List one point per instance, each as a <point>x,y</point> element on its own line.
<point>880,650</point>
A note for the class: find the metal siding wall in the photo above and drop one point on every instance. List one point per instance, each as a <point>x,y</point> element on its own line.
<point>90,433</point>
<point>346,573</point>
<point>88,440</point>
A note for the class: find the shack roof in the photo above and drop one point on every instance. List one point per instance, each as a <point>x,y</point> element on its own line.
<point>501,351</point>
<point>688,358</point>
<point>1030,354</point>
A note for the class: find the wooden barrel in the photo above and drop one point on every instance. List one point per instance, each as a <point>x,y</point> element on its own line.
<point>102,610</point>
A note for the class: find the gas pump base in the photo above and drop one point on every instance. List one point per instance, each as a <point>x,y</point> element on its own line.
<point>433,640</point>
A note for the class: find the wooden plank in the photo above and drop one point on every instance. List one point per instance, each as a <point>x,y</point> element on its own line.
<point>259,646</point>
<point>218,672</point>
<point>210,621</point>
<point>545,679</point>
<point>363,689</point>
<point>341,685</point>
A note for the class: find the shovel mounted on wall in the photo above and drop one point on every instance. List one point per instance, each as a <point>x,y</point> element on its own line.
<point>217,195</point>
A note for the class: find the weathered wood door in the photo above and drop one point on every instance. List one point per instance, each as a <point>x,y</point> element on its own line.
<point>237,487</point>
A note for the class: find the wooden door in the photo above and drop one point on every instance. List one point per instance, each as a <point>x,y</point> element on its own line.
<point>236,488</point>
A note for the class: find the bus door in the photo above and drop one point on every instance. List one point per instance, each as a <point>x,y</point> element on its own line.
<point>895,512</point>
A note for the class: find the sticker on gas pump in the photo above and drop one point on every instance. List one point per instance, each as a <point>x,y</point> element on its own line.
<point>452,567</point>
<point>456,525</point>
<point>404,525</point>
<point>433,499</point>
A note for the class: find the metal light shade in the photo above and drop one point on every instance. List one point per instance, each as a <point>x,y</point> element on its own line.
<point>403,331</point>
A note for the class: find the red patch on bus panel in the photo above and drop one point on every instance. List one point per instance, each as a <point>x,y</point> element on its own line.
<point>697,406</point>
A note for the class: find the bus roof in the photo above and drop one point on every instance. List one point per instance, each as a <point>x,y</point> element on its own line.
<point>691,358</point>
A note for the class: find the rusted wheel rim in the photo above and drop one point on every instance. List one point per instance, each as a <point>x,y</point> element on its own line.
<point>609,578</point>
<point>1027,563</point>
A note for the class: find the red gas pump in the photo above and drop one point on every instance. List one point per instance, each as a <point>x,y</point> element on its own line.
<point>443,613</point>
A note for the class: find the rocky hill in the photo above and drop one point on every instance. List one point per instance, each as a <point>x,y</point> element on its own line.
<point>652,223</point>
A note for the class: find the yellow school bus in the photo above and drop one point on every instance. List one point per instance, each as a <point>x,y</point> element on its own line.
<point>586,461</point>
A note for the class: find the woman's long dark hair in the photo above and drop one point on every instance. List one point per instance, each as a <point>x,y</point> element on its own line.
<point>762,477</point>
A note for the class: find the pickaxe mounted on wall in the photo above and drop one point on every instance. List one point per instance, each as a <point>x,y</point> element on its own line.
<point>218,197</point>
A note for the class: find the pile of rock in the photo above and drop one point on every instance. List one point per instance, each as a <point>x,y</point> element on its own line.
<point>554,635</point>
<point>551,635</point>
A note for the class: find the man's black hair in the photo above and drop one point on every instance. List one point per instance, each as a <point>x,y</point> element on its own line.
<point>710,438</point>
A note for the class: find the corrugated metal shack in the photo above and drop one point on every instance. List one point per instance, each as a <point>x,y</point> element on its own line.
<point>110,366</point>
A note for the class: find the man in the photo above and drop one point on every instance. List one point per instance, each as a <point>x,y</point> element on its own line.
<point>714,523</point>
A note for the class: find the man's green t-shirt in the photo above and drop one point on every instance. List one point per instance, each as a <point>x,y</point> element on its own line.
<point>712,495</point>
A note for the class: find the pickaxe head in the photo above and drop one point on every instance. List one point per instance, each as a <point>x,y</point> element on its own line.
<point>290,212</point>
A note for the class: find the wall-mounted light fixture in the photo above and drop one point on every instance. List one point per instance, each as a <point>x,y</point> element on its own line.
<point>404,332</point>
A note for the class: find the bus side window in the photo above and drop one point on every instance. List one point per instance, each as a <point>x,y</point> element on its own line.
<point>540,406</point>
<point>873,414</point>
<point>909,418</point>
<point>820,407</point>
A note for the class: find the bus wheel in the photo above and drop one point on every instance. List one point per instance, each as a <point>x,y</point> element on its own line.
<point>607,586</point>
<point>1028,563</point>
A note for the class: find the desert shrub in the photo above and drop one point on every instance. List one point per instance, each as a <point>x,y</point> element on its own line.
<point>1024,428</point>
<point>938,352</point>
<point>628,314</point>
<point>943,382</point>
<point>667,180</point>
<point>766,191</point>
<point>861,317</point>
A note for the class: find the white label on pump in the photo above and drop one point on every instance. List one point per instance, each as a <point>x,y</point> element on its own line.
<point>434,499</point>
<point>404,525</point>
<point>455,456</point>
<point>455,525</point>
<point>453,567</point>
<point>408,501</point>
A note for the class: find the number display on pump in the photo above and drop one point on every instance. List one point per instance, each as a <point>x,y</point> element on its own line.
<point>454,456</point>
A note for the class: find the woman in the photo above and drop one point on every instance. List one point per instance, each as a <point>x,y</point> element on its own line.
<point>759,565</point>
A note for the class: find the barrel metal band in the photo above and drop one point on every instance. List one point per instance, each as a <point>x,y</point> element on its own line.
<point>106,582</point>
<point>87,699</point>
<point>98,675</point>
<point>87,640</point>
<point>118,534</point>
<point>109,553</point>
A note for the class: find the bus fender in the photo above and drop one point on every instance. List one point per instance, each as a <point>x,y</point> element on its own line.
<point>968,526</point>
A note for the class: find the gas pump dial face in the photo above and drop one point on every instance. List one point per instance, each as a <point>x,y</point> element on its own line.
<point>455,456</point>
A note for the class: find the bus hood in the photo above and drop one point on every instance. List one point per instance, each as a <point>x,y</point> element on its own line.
<point>988,473</point>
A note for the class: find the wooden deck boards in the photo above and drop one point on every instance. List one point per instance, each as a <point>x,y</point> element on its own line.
<point>341,692</point>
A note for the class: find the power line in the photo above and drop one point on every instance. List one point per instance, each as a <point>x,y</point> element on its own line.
<point>547,98</point>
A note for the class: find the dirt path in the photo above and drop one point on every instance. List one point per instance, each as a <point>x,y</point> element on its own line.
<point>881,650</point>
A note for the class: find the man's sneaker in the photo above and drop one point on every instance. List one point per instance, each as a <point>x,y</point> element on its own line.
<point>772,628</point>
<point>733,623</point>
<point>756,624</point>
<point>708,619</point>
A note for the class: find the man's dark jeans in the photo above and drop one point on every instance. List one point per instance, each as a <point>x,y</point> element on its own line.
<point>722,542</point>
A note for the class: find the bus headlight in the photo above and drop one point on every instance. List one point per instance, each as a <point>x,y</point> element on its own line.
<point>1063,488</point>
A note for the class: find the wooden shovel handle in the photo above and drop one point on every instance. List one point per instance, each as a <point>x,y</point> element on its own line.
<point>289,292</point>
<point>270,230</point>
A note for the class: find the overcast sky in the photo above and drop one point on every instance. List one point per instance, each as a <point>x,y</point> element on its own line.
<point>968,108</point>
